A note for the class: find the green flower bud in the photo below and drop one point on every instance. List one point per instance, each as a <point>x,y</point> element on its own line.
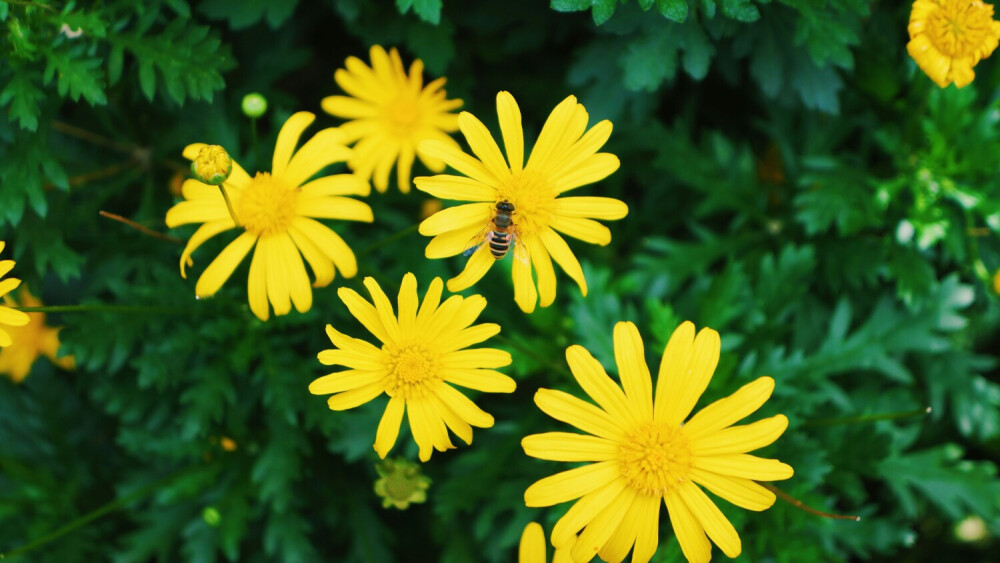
<point>211,516</point>
<point>254,105</point>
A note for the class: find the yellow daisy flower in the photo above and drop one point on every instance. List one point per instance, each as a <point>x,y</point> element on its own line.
<point>948,38</point>
<point>643,451</point>
<point>423,354</point>
<point>9,317</point>
<point>277,213</point>
<point>532,547</point>
<point>391,113</point>
<point>30,341</point>
<point>564,157</point>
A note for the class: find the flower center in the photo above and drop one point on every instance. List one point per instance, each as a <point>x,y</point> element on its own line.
<point>411,368</point>
<point>960,28</point>
<point>655,458</point>
<point>402,115</point>
<point>533,198</point>
<point>267,206</point>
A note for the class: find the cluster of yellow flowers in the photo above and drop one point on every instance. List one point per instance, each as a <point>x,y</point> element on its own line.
<point>637,444</point>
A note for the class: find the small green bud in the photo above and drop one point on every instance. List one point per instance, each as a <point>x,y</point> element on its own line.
<point>254,105</point>
<point>211,516</point>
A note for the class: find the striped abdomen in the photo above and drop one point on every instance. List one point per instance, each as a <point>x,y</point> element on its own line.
<point>499,243</point>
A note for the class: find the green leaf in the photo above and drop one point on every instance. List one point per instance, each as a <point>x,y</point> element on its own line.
<point>676,10</point>
<point>77,74</point>
<point>740,10</point>
<point>954,485</point>
<point>650,60</point>
<point>601,10</point>
<point>427,10</point>
<point>245,13</point>
<point>24,97</point>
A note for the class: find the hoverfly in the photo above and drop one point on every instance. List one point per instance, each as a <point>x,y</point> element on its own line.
<point>500,233</point>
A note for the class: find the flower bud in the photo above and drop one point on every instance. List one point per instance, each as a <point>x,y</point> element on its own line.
<point>213,165</point>
<point>254,105</point>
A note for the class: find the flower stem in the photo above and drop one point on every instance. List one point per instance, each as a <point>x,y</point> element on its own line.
<point>801,505</point>
<point>387,240</point>
<point>865,418</point>
<point>95,514</point>
<point>140,228</point>
<point>229,205</point>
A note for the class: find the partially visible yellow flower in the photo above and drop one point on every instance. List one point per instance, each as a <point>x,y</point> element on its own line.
<point>276,212</point>
<point>30,341</point>
<point>400,483</point>
<point>423,353</point>
<point>564,158</point>
<point>9,317</point>
<point>532,548</point>
<point>390,113</point>
<point>996,281</point>
<point>643,452</point>
<point>948,38</point>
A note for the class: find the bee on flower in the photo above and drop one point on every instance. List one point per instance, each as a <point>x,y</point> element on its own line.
<point>522,199</point>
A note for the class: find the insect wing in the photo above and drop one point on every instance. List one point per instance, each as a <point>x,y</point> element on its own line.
<point>521,253</point>
<point>476,241</point>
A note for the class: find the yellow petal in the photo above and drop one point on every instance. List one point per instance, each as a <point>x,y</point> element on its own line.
<point>647,512</point>
<point>222,267</point>
<point>586,230</point>
<point>632,369</point>
<point>257,286</point>
<point>344,342</point>
<point>593,169</point>
<point>5,267</point>
<point>338,184</point>
<point>8,285</point>
<point>690,534</point>
<point>344,381</point>
<point>485,380</point>
<point>462,405</point>
<point>204,232</point>
<point>543,269</point>
<point>383,308</point>
<point>5,341</point>
<point>352,358</point>
<point>298,280</point>
<point>483,145</point>
<point>348,108</point>
<point>288,138</point>
<point>380,176</point>
<point>364,312</point>
<point>532,546</point>
<point>685,371</point>
<point>467,313</point>
<point>582,149</point>
<point>451,419</point>
<point>618,544</point>
<point>560,252</point>
<point>510,128</point>
<point>598,532</point>
<point>320,264</point>
<point>457,217</point>
<point>566,446</point>
<point>475,358</point>
<point>198,211</point>
<point>584,511</point>
<point>343,208</point>
<point>458,188</point>
<point>407,154</point>
<point>329,242</point>
<point>276,269</point>
<point>745,466</point>
<point>566,408</point>
<point>560,130</point>
<point>422,428</point>
<point>571,484</point>
<point>453,156</point>
<point>716,525</point>
<point>13,317</point>
<point>595,382</point>
<point>388,426</point>
<point>355,397</point>
<point>475,268</point>
<point>744,493</point>
<point>324,149</point>
<point>731,409</point>
<point>430,303</point>
<point>472,336</point>
<point>606,208</point>
<point>408,303</point>
<point>741,439</point>
<point>455,242</point>
<point>525,294</point>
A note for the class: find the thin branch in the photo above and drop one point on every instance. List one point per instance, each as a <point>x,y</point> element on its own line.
<point>802,506</point>
<point>140,228</point>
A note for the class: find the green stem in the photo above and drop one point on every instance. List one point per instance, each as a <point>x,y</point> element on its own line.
<point>253,142</point>
<point>229,205</point>
<point>94,515</point>
<point>387,240</point>
<point>534,356</point>
<point>104,309</point>
<point>865,418</point>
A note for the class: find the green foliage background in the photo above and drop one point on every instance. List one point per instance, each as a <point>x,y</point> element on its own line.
<point>794,181</point>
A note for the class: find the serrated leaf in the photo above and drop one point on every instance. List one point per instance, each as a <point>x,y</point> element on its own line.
<point>650,60</point>
<point>740,10</point>
<point>77,75</point>
<point>24,98</point>
<point>427,10</point>
<point>245,13</point>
